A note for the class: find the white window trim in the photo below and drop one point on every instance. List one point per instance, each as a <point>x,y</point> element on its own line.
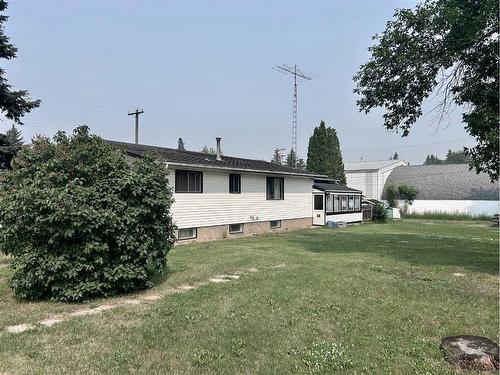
<point>195,235</point>
<point>235,232</point>
<point>275,227</point>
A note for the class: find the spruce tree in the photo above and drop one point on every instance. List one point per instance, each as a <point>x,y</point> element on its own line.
<point>13,104</point>
<point>14,136</point>
<point>277,157</point>
<point>324,155</point>
<point>180,144</point>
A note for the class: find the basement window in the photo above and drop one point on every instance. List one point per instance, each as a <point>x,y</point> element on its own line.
<point>187,233</point>
<point>275,224</point>
<point>235,228</point>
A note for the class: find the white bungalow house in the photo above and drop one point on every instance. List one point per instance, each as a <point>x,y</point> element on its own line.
<point>219,196</point>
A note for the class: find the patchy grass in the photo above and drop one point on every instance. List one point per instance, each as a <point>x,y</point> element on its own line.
<point>373,299</point>
<point>446,216</point>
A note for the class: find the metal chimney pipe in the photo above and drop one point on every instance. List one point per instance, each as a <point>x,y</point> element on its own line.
<point>218,148</point>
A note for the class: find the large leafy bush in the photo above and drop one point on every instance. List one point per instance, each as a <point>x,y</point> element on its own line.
<point>82,221</point>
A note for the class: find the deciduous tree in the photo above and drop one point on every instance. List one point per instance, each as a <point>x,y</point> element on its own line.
<point>449,47</point>
<point>81,221</point>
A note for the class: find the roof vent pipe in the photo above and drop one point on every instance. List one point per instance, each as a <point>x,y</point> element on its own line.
<point>218,148</point>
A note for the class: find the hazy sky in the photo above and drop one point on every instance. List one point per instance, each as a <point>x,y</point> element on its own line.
<point>204,69</point>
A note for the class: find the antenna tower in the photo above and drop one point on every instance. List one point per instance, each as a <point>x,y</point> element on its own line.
<point>295,72</point>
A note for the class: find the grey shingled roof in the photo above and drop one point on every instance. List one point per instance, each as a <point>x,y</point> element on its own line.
<point>191,158</point>
<point>444,182</point>
<point>326,186</point>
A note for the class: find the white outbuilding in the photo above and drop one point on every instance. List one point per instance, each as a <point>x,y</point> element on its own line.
<point>370,176</point>
<point>448,188</point>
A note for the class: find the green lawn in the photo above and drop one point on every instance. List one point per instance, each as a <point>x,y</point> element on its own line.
<point>374,299</point>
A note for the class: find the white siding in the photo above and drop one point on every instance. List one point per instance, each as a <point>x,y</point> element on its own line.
<point>469,207</point>
<point>370,183</point>
<point>350,217</point>
<point>215,206</point>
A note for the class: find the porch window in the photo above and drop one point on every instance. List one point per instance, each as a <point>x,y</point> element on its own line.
<point>329,202</point>
<point>275,187</point>
<point>336,203</point>
<point>188,181</point>
<point>343,200</point>
<point>351,203</point>
<point>357,202</point>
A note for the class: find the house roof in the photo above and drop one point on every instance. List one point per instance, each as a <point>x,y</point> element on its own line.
<point>366,166</point>
<point>330,186</point>
<point>198,159</point>
<point>444,182</point>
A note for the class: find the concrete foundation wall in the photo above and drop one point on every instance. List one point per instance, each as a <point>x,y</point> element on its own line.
<point>218,232</point>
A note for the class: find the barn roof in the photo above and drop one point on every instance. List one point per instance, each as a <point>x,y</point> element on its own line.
<point>375,165</point>
<point>198,159</point>
<point>445,182</point>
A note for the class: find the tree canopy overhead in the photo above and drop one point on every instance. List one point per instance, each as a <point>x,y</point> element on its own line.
<point>13,104</point>
<point>449,47</point>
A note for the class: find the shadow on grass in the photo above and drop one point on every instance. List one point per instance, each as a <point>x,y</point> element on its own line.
<point>424,250</point>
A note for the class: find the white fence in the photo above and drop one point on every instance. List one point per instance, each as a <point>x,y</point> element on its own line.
<point>473,208</point>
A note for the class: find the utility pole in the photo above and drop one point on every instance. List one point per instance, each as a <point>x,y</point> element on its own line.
<point>136,113</point>
<point>295,72</point>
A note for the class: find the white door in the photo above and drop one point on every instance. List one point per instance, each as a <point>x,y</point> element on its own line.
<point>318,209</point>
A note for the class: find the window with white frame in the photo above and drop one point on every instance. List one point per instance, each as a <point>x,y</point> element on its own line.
<point>336,203</point>
<point>187,233</point>
<point>275,224</point>
<point>343,200</point>
<point>329,202</point>
<point>357,202</point>
<point>275,188</point>
<point>188,181</point>
<point>235,228</point>
<point>351,203</point>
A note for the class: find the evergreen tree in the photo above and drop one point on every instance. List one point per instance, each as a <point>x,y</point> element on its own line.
<point>277,157</point>
<point>291,158</point>
<point>13,104</point>
<point>301,164</point>
<point>324,155</point>
<point>209,150</point>
<point>180,144</point>
<point>396,156</point>
<point>14,136</point>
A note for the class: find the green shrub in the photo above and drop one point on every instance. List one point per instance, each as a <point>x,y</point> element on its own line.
<point>81,221</point>
<point>392,195</point>
<point>379,214</point>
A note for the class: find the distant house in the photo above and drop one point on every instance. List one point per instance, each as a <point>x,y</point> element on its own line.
<point>221,196</point>
<point>370,176</point>
<point>450,188</point>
